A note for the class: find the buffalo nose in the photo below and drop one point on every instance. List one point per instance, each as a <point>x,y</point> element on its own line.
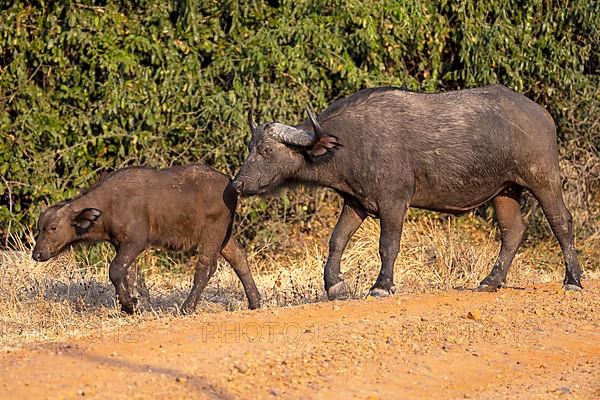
<point>237,186</point>
<point>37,256</point>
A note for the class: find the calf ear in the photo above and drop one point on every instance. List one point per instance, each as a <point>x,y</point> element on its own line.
<point>325,142</point>
<point>85,219</point>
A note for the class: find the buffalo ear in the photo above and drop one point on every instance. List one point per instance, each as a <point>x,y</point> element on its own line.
<point>323,146</point>
<point>325,142</point>
<point>85,219</point>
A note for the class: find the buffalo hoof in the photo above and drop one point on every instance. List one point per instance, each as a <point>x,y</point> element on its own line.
<point>572,288</point>
<point>188,307</point>
<point>486,288</point>
<point>254,305</point>
<point>129,309</point>
<point>339,291</point>
<point>378,292</point>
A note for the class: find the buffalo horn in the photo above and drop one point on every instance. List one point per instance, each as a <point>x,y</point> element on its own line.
<point>313,120</point>
<point>293,136</point>
<point>251,121</point>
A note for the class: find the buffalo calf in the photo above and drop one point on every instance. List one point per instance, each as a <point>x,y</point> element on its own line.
<point>178,208</point>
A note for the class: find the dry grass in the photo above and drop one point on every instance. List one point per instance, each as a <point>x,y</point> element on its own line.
<point>69,297</point>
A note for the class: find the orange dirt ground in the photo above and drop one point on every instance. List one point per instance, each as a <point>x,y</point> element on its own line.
<point>534,343</point>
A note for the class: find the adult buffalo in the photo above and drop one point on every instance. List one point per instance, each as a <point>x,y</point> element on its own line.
<point>385,149</point>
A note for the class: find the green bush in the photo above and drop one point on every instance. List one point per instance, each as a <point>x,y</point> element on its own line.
<point>90,85</point>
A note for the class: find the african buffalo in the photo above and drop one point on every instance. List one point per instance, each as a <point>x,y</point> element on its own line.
<point>385,149</point>
<point>177,208</point>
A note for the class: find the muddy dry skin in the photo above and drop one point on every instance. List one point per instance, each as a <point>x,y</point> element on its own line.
<point>536,342</point>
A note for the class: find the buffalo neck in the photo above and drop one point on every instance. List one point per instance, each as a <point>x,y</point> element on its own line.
<point>98,198</point>
<point>324,173</point>
<point>95,198</point>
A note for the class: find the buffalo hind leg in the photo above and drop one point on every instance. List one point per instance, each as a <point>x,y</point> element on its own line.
<point>119,272</point>
<point>512,227</point>
<point>561,222</point>
<point>348,222</point>
<point>392,220</point>
<point>205,268</point>
<point>236,257</point>
<point>211,241</point>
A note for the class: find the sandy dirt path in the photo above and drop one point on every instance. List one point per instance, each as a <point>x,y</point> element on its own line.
<point>536,342</point>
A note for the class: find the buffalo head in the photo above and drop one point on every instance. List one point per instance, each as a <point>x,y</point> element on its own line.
<point>278,152</point>
<point>59,226</point>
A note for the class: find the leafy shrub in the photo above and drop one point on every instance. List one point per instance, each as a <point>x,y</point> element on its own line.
<point>90,85</point>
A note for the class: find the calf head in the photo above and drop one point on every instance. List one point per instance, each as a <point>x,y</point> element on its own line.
<point>61,225</point>
<point>278,152</point>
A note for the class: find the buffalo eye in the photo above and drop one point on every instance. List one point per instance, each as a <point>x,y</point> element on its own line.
<point>267,151</point>
<point>52,227</point>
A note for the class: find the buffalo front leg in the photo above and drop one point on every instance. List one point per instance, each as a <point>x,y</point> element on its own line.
<point>348,222</point>
<point>512,227</point>
<point>136,285</point>
<point>235,255</point>
<point>389,245</point>
<point>119,271</point>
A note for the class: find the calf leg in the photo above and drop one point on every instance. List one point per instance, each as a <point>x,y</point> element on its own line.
<point>236,257</point>
<point>512,227</point>
<point>118,273</point>
<point>205,268</point>
<point>136,284</point>
<point>561,222</point>
<point>389,245</point>
<point>348,222</point>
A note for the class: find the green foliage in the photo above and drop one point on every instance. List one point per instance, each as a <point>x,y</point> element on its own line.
<point>90,85</point>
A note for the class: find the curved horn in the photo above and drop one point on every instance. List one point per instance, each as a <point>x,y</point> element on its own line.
<point>313,120</point>
<point>251,121</point>
<point>293,136</point>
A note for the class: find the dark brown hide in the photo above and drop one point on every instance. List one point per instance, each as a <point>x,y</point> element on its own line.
<point>178,208</point>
